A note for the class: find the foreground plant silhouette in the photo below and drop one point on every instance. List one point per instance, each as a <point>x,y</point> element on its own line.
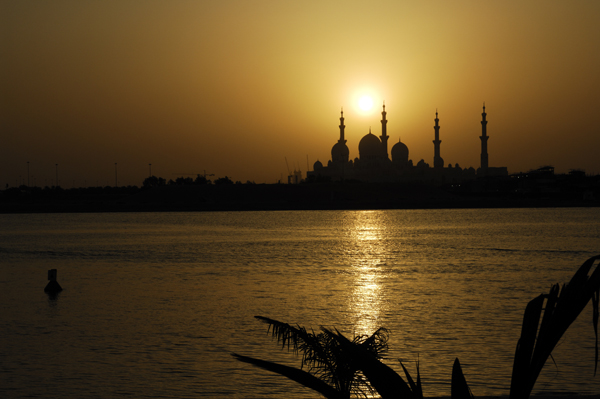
<point>331,369</point>
<point>338,367</point>
<point>539,339</point>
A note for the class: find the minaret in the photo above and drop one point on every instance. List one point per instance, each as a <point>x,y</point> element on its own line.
<point>384,137</point>
<point>342,140</point>
<point>438,162</point>
<point>484,138</point>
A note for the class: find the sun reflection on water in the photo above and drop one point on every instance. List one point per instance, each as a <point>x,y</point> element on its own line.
<point>367,253</point>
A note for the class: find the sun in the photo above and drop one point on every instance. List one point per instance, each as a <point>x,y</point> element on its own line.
<point>365,103</point>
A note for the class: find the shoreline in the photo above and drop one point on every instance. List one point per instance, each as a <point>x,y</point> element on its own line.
<point>277,197</point>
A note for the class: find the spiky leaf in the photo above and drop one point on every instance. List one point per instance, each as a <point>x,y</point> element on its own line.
<point>459,389</point>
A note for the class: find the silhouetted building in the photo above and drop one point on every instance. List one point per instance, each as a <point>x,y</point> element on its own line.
<point>438,162</point>
<point>374,164</point>
<point>484,169</point>
<point>484,139</point>
<point>340,152</point>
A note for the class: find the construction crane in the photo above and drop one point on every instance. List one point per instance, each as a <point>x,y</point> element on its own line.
<point>296,176</point>
<point>288,166</point>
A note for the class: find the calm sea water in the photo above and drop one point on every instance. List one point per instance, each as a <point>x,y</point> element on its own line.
<point>154,303</point>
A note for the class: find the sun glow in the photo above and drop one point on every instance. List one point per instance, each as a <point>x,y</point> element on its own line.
<point>365,103</point>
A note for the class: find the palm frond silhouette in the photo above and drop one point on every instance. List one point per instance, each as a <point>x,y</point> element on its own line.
<point>329,368</point>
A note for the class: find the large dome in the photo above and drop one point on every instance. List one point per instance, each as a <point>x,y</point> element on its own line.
<point>400,152</point>
<point>370,147</point>
<point>340,152</point>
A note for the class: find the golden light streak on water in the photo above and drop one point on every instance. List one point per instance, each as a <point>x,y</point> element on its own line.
<point>367,258</point>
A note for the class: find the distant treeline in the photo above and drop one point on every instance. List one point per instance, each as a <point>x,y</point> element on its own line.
<point>540,188</point>
<point>154,181</point>
<point>53,192</point>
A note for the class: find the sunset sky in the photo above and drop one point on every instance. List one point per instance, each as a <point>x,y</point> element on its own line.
<point>234,88</point>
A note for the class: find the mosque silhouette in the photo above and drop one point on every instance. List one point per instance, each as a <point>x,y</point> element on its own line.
<point>374,164</point>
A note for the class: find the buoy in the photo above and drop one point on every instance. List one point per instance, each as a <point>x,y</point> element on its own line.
<point>52,287</point>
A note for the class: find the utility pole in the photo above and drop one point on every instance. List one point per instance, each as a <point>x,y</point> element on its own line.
<point>149,170</point>
<point>28,174</point>
<point>56,165</point>
<point>116,180</point>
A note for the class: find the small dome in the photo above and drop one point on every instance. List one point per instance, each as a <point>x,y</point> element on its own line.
<point>369,147</point>
<point>340,152</point>
<point>318,165</point>
<point>400,152</point>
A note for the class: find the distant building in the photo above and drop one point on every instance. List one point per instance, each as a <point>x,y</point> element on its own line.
<point>484,170</point>
<point>295,177</point>
<point>374,164</point>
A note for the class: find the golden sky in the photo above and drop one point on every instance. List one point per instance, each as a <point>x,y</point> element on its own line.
<point>234,88</point>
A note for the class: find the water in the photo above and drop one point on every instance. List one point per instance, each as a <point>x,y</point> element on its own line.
<point>154,303</point>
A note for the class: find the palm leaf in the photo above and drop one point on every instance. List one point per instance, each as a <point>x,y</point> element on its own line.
<point>316,352</point>
<point>562,307</point>
<point>525,345</point>
<point>416,388</point>
<point>322,355</point>
<point>292,337</point>
<point>459,389</point>
<point>300,376</point>
<point>384,379</point>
